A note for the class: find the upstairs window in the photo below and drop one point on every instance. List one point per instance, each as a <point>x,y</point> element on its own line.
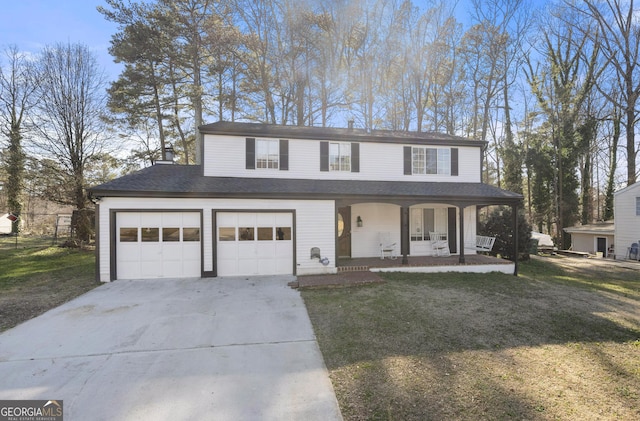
<point>340,156</point>
<point>431,160</point>
<point>267,154</point>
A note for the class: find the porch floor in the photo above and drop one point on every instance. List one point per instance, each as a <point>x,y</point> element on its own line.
<point>367,263</point>
<point>352,272</point>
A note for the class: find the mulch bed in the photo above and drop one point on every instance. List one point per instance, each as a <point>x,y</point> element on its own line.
<point>339,280</point>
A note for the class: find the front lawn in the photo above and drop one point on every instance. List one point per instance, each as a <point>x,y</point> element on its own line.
<point>553,343</point>
<point>36,279</point>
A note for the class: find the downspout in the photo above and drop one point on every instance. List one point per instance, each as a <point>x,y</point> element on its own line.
<point>461,227</point>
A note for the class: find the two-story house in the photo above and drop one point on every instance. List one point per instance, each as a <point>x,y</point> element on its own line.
<point>271,200</point>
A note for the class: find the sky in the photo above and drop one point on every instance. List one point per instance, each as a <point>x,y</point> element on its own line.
<point>32,24</point>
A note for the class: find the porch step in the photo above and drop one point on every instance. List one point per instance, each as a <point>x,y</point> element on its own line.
<point>342,269</point>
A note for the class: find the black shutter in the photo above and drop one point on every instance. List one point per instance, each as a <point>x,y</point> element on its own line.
<point>324,156</point>
<point>451,233</point>
<point>407,160</point>
<point>454,161</point>
<point>355,157</point>
<point>251,153</point>
<point>284,154</point>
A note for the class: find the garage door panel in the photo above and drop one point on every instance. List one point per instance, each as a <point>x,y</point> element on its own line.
<point>265,219</point>
<point>171,218</point>
<point>129,252</point>
<point>172,251</point>
<point>247,219</point>
<point>172,269</point>
<point>283,219</point>
<point>227,219</point>
<point>151,219</point>
<point>267,266</point>
<point>150,269</point>
<point>251,243</point>
<point>159,249</point>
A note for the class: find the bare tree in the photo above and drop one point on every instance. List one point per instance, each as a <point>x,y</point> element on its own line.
<point>69,115</point>
<point>620,36</point>
<point>17,92</point>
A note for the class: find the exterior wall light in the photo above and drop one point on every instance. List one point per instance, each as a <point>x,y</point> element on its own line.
<point>359,221</point>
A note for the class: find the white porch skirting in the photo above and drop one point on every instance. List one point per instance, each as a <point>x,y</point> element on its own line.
<point>507,268</point>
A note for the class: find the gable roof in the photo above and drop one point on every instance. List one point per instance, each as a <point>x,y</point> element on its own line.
<point>599,228</point>
<point>627,189</point>
<point>188,181</point>
<point>333,133</point>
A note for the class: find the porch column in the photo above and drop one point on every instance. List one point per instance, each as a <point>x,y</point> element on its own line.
<point>461,225</point>
<point>404,234</point>
<point>514,211</point>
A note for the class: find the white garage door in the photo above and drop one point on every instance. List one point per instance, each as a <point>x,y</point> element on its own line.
<point>254,243</point>
<point>158,245</point>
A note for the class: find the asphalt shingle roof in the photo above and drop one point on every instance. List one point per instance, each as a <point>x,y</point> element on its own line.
<point>188,181</point>
<point>334,133</point>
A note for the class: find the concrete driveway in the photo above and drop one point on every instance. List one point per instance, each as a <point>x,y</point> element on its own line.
<point>214,349</point>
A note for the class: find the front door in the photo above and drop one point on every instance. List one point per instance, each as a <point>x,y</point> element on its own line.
<point>602,245</point>
<point>344,232</point>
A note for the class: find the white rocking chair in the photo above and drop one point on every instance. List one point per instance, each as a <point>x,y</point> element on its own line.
<point>387,248</point>
<point>439,244</point>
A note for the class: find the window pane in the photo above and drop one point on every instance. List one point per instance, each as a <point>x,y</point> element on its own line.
<point>444,161</point>
<point>267,153</point>
<point>128,235</point>
<point>265,233</point>
<point>170,234</point>
<point>418,160</point>
<point>227,234</point>
<point>190,234</point>
<point>340,156</point>
<point>429,220</point>
<point>150,234</point>
<point>416,225</point>
<point>431,161</point>
<point>283,233</point>
<point>246,234</point>
<point>334,156</point>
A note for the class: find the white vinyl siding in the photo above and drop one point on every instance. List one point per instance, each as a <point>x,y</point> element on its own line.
<point>627,219</point>
<point>225,157</point>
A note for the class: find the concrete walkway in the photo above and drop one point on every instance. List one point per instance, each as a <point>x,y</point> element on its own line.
<point>215,349</point>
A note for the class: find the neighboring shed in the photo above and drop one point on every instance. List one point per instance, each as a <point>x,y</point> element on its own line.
<point>626,209</point>
<point>5,224</point>
<point>593,238</point>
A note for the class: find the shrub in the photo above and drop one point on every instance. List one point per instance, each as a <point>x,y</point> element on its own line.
<point>499,224</point>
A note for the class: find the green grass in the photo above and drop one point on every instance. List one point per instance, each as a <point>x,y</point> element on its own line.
<point>29,265</point>
<point>36,279</point>
<point>549,344</point>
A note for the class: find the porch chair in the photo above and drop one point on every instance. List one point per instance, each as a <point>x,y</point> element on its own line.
<point>439,244</point>
<point>387,248</point>
<point>484,243</point>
